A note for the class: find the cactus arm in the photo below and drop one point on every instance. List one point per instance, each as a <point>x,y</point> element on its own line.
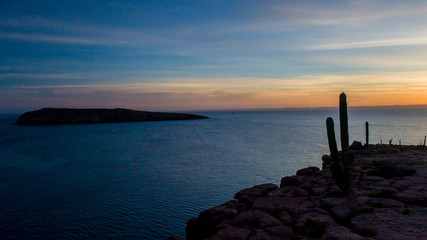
<point>336,169</point>
<point>331,139</point>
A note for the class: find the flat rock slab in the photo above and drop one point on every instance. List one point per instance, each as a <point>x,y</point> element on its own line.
<point>391,224</point>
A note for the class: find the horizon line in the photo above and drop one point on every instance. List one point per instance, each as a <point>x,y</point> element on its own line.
<point>379,107</point>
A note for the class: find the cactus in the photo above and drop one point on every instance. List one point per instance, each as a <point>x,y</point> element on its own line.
<point>425,139</point>
<point>348,156</point>
<point>341,170</point>
<point>367,135</point>
<point>336,169</point>
<point>331,138</point>
<point>343,122</point>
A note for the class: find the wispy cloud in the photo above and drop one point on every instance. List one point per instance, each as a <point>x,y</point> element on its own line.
<point>405,58</point>
<point>387,42</point>
<point>54,76</point>
<point>35,37</point>
<point>348,13</point>
<point>56,31</point>
<point>193,94</point>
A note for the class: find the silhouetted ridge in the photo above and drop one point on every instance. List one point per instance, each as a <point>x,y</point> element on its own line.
<point>51,116</point>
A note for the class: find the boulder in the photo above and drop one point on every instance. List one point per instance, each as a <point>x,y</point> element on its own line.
<point>255,219</point>
<point>289,181</point>
<point>279,232</point>
<point>384,203</point>
<point>206,224</point>
<point>336,232</point>
<point>308,171</point>
<point>272,204</point>
<point>231,233</point>
<point>314,216</point>
<point>249,195</point>
<point>411,197</point>
<point>341,212</point>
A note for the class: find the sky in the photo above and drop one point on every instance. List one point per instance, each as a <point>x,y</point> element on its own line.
<point>211,54</point>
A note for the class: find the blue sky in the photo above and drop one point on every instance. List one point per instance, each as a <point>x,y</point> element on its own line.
<point>212,54</point>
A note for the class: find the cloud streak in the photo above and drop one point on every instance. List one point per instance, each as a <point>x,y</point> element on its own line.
<point>386,42</point>
<point>185,94</point>
<point>350,14</point>
<point>200,55</point>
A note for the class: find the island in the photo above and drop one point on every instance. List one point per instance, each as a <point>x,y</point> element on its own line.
<point>54,116</point>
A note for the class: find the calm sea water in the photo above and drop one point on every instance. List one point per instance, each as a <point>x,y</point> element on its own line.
<point>145,180</point>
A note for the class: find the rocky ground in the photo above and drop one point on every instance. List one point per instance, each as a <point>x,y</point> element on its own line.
<point>391,203</point>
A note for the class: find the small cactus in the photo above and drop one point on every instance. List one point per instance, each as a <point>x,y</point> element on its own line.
<point>425,139</point>
<point>367,135</point>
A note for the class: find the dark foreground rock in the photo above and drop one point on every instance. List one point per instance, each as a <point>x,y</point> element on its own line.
<point>51,116</point>
<point>391,203</point>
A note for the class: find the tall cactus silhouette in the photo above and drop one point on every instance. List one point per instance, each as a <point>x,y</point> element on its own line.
<point>341,166</point>
<point>343,122</point>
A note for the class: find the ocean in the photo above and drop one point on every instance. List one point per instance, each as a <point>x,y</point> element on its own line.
<point>145,180</point>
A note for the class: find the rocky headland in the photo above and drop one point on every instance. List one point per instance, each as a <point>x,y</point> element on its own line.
<point>51,116</point>
<point>390,183</point>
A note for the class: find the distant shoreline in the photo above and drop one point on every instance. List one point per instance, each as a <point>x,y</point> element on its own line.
<point>384,107</point>
<point>58,116</point>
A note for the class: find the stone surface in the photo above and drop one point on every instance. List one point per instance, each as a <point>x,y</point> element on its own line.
<point>341,212</point>
<point>249,195</point>
<point>336,232</point>
<point>279,232</point>
<point>309,205</point>
<point>384,203</point>
<point>207,221</point>
<point>272,204</point>
<point>289,181</point>
<point>392,224</point>
<point>315,216</point>
<point>411,197</point>
<point>231,233</point>
<point>255,218</point>
<point>318,190</point>
<point>308,171</point>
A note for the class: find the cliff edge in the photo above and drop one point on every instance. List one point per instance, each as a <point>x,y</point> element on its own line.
<point>391,203</point>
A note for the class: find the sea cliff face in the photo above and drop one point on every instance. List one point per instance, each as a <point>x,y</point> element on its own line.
<point>391,203</point>
<point>51,116</point>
